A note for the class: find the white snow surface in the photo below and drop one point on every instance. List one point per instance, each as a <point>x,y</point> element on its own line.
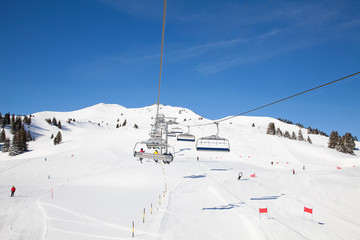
<point>91,186</point>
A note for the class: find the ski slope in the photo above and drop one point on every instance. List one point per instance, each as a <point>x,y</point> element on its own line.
<point>91,187</point>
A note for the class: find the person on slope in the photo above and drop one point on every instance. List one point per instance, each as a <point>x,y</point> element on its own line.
<point>156,152</point>
<point>13,189</point>
<point>240,175</point>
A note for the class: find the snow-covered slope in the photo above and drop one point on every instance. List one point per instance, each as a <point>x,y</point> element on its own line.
<point>91,187</point>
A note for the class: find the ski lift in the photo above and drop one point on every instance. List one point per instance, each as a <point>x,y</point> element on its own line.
<point>161,151</point>
<point>186,136</point>
<point>213,143</point>
<point>176,130</point>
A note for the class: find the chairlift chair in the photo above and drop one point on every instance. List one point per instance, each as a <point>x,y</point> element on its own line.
<point>163,151</point>
<point>213,143</point>
<point>186,136</point>
<point>176,130</point>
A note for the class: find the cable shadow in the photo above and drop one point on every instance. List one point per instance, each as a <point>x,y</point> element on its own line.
<point>225,207</point>
<point>195,176</point>
<point>267,198</point>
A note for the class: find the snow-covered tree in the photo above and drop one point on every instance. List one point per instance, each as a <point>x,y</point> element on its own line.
<point>271,129</point>
<point>6,145</point>
<point>349,143</point>
<point>333,139</point>
<point>287,134</point>
<point>279,132</point>
<point>58,138</point>
<point>2,136</point>
<point>293,136</point>
<point>300,136</point>
<point>309,140</point>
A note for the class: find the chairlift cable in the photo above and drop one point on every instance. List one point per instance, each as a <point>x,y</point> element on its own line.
<point>281,100</point>
<point>161,56</point>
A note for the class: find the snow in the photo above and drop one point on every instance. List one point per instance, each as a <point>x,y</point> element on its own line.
<point>91,186</point>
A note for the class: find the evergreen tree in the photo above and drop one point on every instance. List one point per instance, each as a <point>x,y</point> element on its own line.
<point>18,145</point>
<point>355,138</point>
<point>7,119</point>
<point>271,129</point>
<point>279,132</point>
<point>29,137</point>
<point>349,143</point>
<point>333,139</point>
<point>293,136</point>
<point>52,136</point>
<point>309,140</point>
<point>59,124</point>
<point>300,136</point>
<point>117,125</point>
<point>136,126</point>
<point>340,145</point>
<point>253,125</point>
<point>287,134</point>
<point>58,138</point>
<point>309,131</point>
<point>54,121</point>
<point>124,123</point>
<point>2,136</point>
<point>6,145</point>
<point>12,125</point>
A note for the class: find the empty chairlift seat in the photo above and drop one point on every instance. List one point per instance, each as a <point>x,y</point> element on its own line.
<point>186,136</point>
<point>213,143</point>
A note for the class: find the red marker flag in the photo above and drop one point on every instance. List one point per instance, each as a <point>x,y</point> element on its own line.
<point>308,210</point>
<point>252,175</point>
<point>262,210</point>
<point>339,167</point>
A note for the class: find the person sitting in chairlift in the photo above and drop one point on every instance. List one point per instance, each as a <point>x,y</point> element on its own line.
<point>156,152</point>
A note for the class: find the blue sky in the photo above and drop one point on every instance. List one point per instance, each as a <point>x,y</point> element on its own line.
<point>221,58</point>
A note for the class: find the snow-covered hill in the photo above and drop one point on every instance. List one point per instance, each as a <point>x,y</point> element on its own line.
<point>91,187</point>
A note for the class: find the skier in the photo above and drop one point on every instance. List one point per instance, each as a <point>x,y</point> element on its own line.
<point>13,189</point>
<point>156,152</point>
<point>293,171</point>
<point>240,175</point>
<point>142,151</point>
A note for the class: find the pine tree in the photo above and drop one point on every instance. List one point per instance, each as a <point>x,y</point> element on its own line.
<point>124,123</point>
<point>300,136</point>
<point>6,145</point>
<point>2,136</point>
<point>136,126</point>
<point>333,139</point>
<point>340,145</point>
<point>59,124</point>
<point>271,129</point>
<point>117,125</point>
<point>52,136</point>
<point>309,140</point>
<point>349,143</point>
<point>28,136</point>
<point>253,125</point>
<point>279,132</point>
<point>293,136</point>
<point>54,121</point>
<point>58,138</point>
<point>17,147</point>
<point>355,138</point>
<point>309,130</point>
<point>287,134</point>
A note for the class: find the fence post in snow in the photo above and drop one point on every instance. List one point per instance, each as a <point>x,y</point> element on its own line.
<point>133,229</point>
<point>144,216</point>
<point>308,210</point>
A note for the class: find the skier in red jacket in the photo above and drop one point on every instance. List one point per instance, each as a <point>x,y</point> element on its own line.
<point>13,189</point>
